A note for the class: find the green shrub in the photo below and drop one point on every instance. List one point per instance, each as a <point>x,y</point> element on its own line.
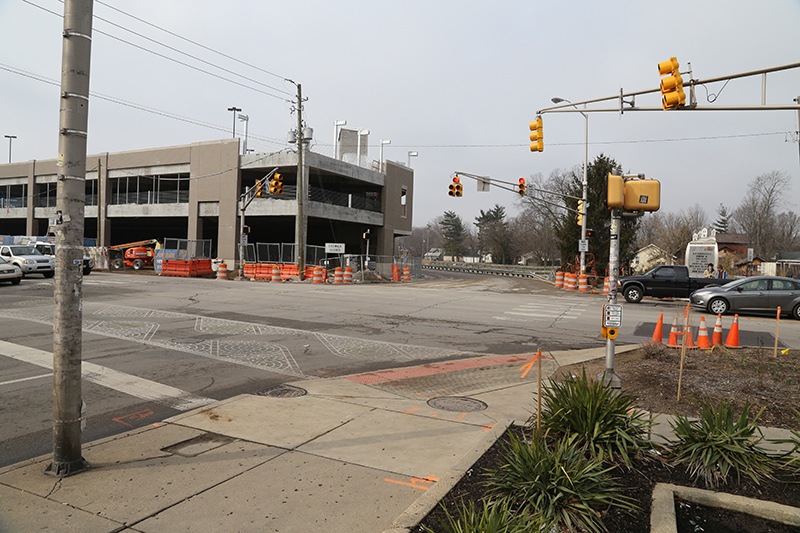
<point>603,419</point>
<point>559,485</point>
<point>494,517</point>
<point>718,444</point>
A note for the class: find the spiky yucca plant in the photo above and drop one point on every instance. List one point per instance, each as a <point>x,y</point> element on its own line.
<point>559,484</point>
<point>718,444</point>
<point>493,517</point>
<point>603,419</point>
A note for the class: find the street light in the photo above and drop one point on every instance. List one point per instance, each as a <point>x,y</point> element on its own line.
<point>381,157</point>
<point>246,120</point>
<point>358,151</point>
<point>410,155</point>
<point>235,110</point>
<point>336,124</point>
<point>10,138</point>
<point>558,100</point>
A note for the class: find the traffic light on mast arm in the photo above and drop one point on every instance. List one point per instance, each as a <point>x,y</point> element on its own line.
<point>672,95</point>
<point>259,188</point>
<point>537,137</point>
<point>521,189</point>
<point>580,212</point>
<point>276,184</point>
<point>456,188</point>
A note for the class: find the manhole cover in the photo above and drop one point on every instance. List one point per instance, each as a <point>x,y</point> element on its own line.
<point>282,391</point>
<point>187,340</point>
<point>458,404</point>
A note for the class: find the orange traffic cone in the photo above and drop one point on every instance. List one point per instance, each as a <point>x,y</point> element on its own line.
<point>689,340</point>
<point>702,335</point>
<point>733,336</point>
<point>658,334</point>
<point>673,335</point>
<point>716,338</point>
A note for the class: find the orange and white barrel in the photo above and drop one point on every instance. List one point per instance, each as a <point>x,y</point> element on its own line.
<point>338,275</point>
<point>222,271</point>
<point>606,285</point>
<point>318,274</point>
<point>583,283</point>
<point>348,274</point>
<point>406,273</point>
<point>559,279</point>
<point>276,272</point>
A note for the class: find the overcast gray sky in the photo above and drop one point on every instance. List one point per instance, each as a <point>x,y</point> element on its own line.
<point>457,82</point>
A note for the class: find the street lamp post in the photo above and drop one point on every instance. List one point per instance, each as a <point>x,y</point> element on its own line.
<point>10,138</point>
<point>358,151</point>
<point>336,124</point>
<point>246,120</point>
<point>410,155</point>
<point>381,157</point>
<point>557,100</point>
<point>235,110</point>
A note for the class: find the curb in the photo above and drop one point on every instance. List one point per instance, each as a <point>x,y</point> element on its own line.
<point>423,505</point>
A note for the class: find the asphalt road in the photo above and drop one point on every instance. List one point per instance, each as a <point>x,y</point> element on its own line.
<point>154,346</point>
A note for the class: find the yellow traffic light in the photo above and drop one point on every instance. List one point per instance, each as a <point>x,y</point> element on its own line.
<point>537,137</point>
<point>259,188</point>
<point>580,212</point>
<point>616,191</point>
<point>521,189</point>
<point>276,184</point>
<point>456,188</point>
<point>672,95</point>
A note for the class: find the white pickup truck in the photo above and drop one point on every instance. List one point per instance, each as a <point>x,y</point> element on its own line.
<point>29,259</point>
<point>48,248</point>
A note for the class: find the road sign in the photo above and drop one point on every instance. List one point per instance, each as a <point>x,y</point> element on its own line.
<point>483,185</point>
<point>583,245</point>
<point>334,248</point>
<point>612,316</point>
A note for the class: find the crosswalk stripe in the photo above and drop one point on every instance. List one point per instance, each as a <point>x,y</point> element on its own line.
<point>126,383</point>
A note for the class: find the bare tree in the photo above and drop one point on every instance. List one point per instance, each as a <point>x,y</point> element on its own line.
<point>672,231</point>
<point>757,215</point>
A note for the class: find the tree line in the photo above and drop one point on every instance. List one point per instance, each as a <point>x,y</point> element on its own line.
<point>545,233</point>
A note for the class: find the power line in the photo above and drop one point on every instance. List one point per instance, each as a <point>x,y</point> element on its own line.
<point>134,105</point>
<point>182,63</point>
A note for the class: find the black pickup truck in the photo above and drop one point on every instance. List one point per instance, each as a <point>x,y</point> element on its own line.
<point>665,281</point>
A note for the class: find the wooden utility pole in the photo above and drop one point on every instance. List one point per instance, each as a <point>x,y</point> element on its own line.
<point>68,223</point>
<point>300,222</point>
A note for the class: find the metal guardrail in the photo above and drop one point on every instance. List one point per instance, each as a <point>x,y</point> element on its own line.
<point>519,271</point>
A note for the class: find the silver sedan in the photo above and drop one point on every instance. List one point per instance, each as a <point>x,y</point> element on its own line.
<point>761,294</point>
<point>9,272</point>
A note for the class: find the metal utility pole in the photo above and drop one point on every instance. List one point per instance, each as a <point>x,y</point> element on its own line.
<point>10,138</point>
<point>67,324</point>
<point>609,377</point>
<point>300,221</point>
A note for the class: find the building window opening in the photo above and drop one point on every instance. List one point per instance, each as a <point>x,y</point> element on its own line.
<point>403,202</point>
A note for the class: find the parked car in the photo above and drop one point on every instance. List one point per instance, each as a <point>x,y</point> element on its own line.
<point>664,281</point>
<point>29,259</point>
<point>761,294</point>
<point>48,248</point>
<point>9,272</point>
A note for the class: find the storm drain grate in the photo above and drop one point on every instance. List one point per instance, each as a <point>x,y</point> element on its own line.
<point>457,404</point>
<point>282,391</point>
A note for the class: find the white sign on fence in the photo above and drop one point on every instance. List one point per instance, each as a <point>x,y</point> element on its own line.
<point>334,247</point>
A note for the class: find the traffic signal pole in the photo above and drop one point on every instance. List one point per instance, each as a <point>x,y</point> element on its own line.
<point>609,377</point>
<point>69,227</point>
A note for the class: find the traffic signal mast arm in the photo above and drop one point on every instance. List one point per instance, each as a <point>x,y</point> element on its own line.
<point>487,179</point>
<point>576,211</point>
<point>250,193</point>
<point>692,106</point>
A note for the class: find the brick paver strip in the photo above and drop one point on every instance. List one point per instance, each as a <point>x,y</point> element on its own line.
<point>437,368</point>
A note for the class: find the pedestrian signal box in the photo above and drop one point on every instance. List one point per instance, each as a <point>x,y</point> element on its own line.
<point>616,191</point>
<point>642,195</point>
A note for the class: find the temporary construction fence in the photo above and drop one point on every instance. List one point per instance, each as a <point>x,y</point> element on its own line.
<point>262,252</point>
<point>342,269</point>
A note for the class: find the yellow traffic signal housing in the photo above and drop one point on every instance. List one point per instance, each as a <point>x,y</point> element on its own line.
<point>521,189</point>
<point>537,136</point>
<point>259,189</point>
<point>672,95</point>
<point>580,212</point>
<point>456,188</point>
<point>276,184</point>
<point>642,195</point>
<point>616,191</point>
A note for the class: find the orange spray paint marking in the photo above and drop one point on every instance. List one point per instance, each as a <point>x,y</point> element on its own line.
<point>133,417</point>
<point>460,417</point>
<point>487,428</point>
<point>417,483</point>
<point>411,411</point>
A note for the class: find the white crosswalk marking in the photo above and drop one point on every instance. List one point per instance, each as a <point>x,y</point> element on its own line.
<point>557,310</point>
<point>135,386</point>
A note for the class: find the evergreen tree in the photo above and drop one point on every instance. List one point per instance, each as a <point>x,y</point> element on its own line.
<point>723,221</point>
<point>453,234</point>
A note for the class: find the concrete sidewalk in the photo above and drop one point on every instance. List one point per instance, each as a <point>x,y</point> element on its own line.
<point>358,453</point>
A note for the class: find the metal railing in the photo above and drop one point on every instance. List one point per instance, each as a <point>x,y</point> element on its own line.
<point>544,273</point>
